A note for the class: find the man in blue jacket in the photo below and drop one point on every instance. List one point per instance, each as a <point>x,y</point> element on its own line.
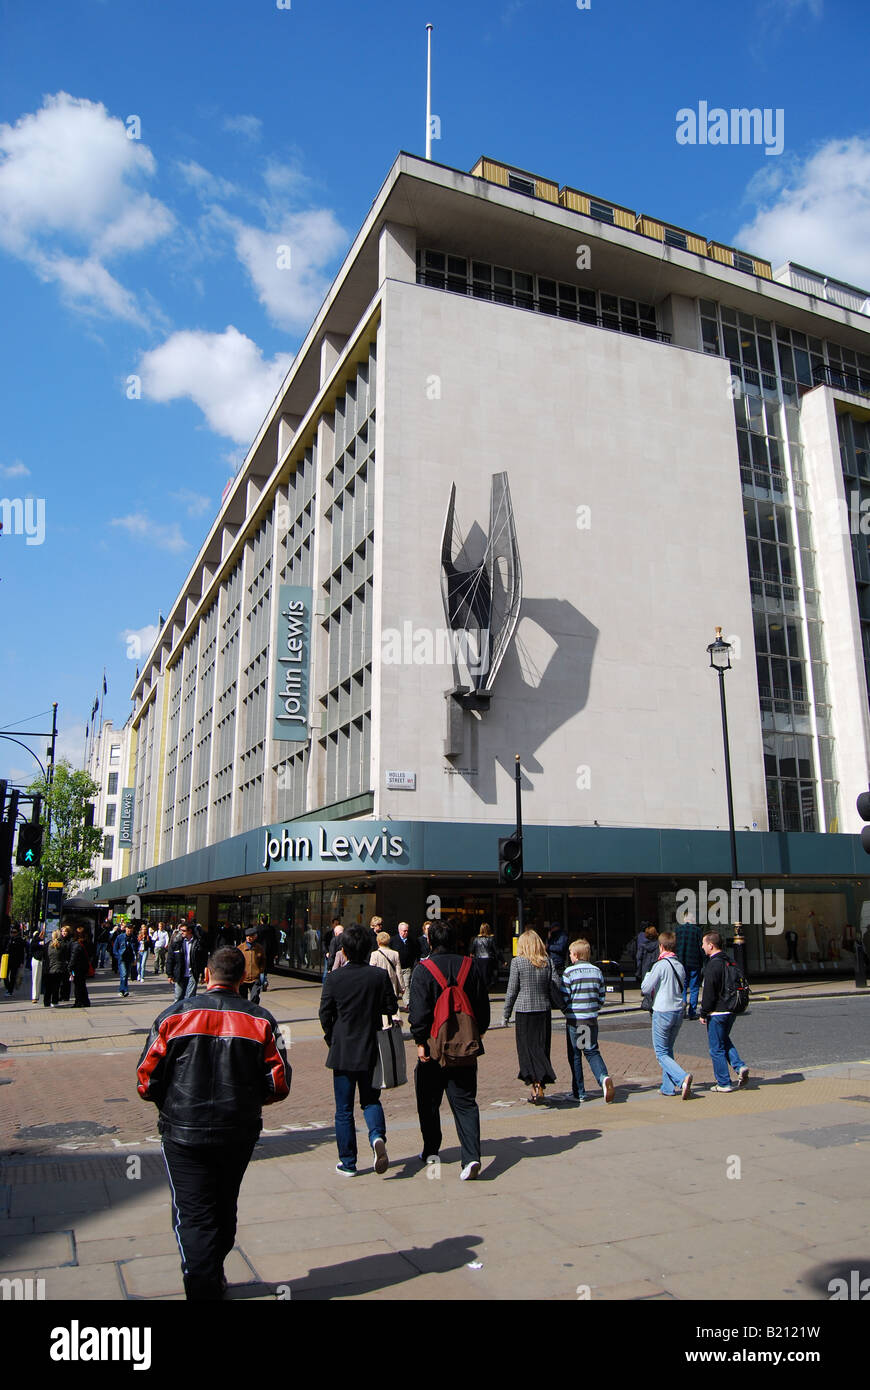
<point>124,952</point>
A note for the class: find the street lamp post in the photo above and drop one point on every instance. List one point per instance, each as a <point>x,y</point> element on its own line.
<point>720,660</point>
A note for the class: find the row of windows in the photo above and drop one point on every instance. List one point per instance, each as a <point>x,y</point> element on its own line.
<point>765,347</point>
<point>503,285</point>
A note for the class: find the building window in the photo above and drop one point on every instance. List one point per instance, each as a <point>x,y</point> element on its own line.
<point>742,262</point>
<point>111,812</point>
<point>678,239</point>
<point>112,784</point>
<point>107,876</point>
<point>115,753</point>
<point>602,212</point>
<point>518,184</point>
<point>108,846</point>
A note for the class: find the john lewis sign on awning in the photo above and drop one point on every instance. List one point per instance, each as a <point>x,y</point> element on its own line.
<point>292,657</point>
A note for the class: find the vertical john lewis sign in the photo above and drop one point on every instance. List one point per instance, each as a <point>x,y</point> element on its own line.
<point>293,656</point>
<point>125,838</point>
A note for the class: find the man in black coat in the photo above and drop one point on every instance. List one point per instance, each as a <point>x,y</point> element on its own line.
<point>13,947</point>
<point>352,1008</point>
<point>431,1080</point>
<point>185,961</point>
<point>407,948</point>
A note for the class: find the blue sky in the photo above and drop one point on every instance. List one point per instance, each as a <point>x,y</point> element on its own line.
<point>258,126</point>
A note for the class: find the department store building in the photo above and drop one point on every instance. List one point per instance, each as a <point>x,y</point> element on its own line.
<point>533,449</point>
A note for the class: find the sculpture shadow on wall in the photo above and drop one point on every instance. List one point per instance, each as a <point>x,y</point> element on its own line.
<point>543,683</point>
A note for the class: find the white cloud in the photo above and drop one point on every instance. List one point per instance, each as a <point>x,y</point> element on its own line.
<point>816,212</point>
<point>194,503</point>
<point>249,126</point>
<point>203,182</point>
<point>222,373</point>
<point>140,526</point>
<point>286,263</point>
<point>14,470</point>
<point>139,641</point>
<point>71,196</point>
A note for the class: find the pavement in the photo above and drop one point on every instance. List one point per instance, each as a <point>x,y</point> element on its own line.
<point>761,1194</point>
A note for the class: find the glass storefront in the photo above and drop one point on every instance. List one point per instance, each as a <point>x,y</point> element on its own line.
<point>790,926</point>
<point>300,916</point>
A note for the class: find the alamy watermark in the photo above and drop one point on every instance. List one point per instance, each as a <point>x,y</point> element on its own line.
<point>441,646</point>
<point>758,907</point>
<point>23,516</point>
<point>855,1288</point>
<point>740,125</point>
<point>22,1290</point>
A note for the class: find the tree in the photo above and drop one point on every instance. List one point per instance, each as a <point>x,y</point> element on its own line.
<point>68,852</point>
<point>23,884</point>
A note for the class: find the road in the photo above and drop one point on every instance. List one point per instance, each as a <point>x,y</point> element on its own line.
<point>791,1035</point>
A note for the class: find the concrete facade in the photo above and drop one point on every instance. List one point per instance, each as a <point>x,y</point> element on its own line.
<point>663,410</point>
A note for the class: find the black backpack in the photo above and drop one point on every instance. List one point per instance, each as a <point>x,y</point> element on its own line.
<point>735,988</point>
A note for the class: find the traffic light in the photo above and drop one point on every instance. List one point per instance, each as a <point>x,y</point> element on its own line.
<point>29,845</point>
<point>863,805</point>
<point>510,859</point>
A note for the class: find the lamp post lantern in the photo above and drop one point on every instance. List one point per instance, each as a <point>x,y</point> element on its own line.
<point>720,660</point>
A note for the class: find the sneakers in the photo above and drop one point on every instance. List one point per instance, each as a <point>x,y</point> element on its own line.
<point>607,1088</point>
<point>686,1088</point>
<point>723,1088</point>
<point>382,1162</point>
<point>743,1076</point>
<point>345,1172</point>
<point>470,1171</point>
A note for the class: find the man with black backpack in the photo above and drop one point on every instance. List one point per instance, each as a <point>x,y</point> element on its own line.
<point>448,1015</point>
<point>723,998</point>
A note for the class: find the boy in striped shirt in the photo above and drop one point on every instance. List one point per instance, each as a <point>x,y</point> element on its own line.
<point>584,993</point>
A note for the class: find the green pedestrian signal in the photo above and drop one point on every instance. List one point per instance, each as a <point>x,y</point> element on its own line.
<point>29,845</point>
<point>510,859</point>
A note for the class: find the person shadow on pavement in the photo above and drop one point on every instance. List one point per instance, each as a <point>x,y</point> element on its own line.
<point>368,1273</point>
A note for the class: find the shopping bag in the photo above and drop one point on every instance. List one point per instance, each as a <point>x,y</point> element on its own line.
<point>4,966</point>
<point>390,1069</point>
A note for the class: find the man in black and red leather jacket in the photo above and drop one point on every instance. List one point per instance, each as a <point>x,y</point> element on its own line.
<point>210,1064</point>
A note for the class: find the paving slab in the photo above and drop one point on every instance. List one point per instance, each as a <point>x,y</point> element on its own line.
<point>123,1247</point>
<point>704,1247</point>
<point>96,1283</point>
<point>27,1252</point>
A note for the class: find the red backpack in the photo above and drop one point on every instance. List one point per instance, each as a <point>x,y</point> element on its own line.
<point>455,1039</point>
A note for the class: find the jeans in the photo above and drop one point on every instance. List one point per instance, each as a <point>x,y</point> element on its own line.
<point>588,1044</point>
<point>187,988</point>
<point>430,1082</point>
<point>693,981</point>
<point>722,1050</point>
<point>141,962</point>
<point>101,954</point>
<point>665,1027</point>
<point>123,983</point>
<point>251,991</point>
<point>344,1084</point>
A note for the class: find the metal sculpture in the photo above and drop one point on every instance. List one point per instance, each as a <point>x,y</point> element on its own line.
<point>481,602</point>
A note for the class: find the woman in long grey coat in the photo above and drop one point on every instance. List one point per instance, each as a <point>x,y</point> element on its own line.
<point>530,995</point>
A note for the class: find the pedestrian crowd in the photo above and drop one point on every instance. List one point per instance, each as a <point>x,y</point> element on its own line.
<point>214,1057</point>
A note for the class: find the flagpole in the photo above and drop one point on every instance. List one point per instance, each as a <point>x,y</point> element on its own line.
<point>429,28</point>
